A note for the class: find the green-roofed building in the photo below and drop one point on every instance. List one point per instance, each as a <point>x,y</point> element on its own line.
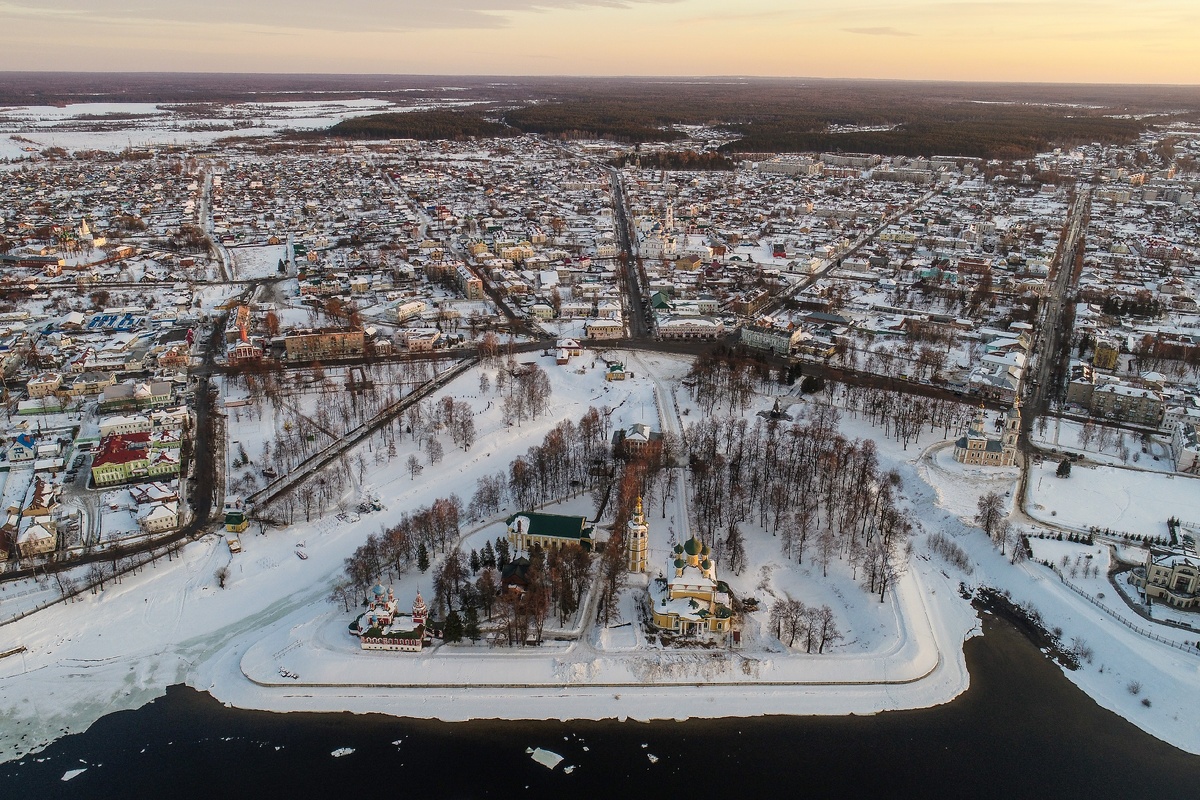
<point>691,599</point>
<point>527,528</point>
<point>236,521</point>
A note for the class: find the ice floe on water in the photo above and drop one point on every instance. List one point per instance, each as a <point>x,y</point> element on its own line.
<point>547,758</point>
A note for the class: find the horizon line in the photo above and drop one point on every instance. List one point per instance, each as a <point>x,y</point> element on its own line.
<point>598,77</point>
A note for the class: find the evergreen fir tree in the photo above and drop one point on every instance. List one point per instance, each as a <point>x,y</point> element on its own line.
<point>474,563</point>
<point>422,557</point>
<point>488,559</point>
<point>471,624</point>
<point>454,627</point>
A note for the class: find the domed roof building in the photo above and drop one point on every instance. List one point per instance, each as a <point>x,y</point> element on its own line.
<point>691,599</point>
<point>381,607</point>
<point>381,626</point>
<point>977,448</point>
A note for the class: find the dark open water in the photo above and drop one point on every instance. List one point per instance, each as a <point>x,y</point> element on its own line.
<point>1021,731</point>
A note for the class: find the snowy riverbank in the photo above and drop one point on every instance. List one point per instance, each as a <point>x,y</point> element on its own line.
<point>171,624</point>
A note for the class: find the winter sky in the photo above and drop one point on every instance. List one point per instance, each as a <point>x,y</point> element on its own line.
<point>1125,41</point>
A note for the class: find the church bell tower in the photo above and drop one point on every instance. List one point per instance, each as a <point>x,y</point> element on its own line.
<point>636,540</point>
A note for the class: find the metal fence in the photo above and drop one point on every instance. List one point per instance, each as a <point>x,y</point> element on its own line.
<point>89,582</point>
<point>1193,648</point>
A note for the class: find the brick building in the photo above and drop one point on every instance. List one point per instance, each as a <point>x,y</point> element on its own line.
<point>324,343</point>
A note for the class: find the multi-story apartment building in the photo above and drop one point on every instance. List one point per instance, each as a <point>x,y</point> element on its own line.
<point>1120,401</point>
<point>469,283</point>
<point>769,337</point>
<point>323,343</point>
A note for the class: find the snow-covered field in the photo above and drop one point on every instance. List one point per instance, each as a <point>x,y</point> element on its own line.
<point>116,126</point>
<point>1121,500</point>
<point>1113,447</point>
<point>257,262</point>
<point>171,623</point>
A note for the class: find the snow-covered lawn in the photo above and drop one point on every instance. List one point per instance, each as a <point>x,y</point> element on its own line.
<point>211,296</point>
<point>1118,447</point>
<point>959,486</point>
<point>257,262</point>
<point>1120,500</point>
<point>18,597</point>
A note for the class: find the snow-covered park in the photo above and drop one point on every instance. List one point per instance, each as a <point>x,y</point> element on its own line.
<point>271,638</point>
<point>1107,445</point>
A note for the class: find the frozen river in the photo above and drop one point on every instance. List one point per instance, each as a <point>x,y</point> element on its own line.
<point>1021,730</point>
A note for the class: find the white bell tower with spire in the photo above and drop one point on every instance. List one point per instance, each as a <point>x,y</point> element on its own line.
<point>637,540</point>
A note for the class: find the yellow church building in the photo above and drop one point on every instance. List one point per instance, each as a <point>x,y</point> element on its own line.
<point>690,599</point>
<point>977,448</point>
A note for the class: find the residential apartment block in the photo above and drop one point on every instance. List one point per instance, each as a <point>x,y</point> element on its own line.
<point>323,343</point>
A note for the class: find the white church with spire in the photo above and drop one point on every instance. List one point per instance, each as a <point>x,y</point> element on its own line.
<point>637,545</point>
<point>659,240</point>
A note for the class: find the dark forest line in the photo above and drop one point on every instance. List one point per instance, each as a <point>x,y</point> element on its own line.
<point>770,115</point>
<point>424,125</point>
<point>778,116</point>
